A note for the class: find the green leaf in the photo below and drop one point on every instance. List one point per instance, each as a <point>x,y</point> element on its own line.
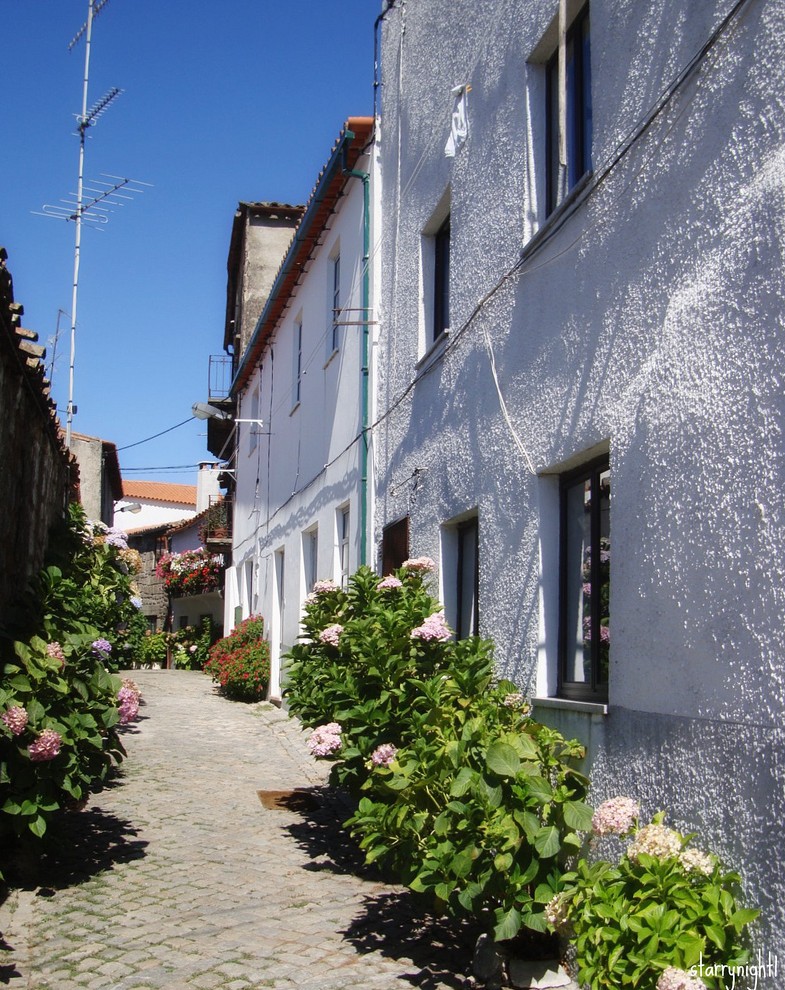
<point>38,826</point>
<point>462,782</point>
<point>546,841</point>
<point>743,917</point>
<point>578,815</point>
<point>502,759</point>
<point>509,925</point>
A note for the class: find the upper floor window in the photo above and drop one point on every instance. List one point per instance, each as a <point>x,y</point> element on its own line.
<point>441,279</point>
<point>568,126</point>
<point>335,303</point>
<point>585,555</point>
<point>297,362</point>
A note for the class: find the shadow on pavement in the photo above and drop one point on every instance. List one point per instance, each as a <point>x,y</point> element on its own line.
<point>395,923</point>
<point>78,846</point>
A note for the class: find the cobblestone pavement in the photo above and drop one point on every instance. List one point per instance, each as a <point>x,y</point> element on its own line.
<point>178,876</point>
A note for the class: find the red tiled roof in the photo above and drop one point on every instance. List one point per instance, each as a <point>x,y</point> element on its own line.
<point>160,491</point>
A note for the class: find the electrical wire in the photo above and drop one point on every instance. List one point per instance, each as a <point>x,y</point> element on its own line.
<point>156,435</point>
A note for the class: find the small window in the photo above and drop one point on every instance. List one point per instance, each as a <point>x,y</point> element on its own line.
<point>467,580</point>
<point>441,279</point>
<point>310,558</point>
<point>297,362</point>
<point>585,555</point>
<point>395,545</point>
<point>334,315</point>
<point>343,545</point>
<point>562,176</point>
<point>152,623</point>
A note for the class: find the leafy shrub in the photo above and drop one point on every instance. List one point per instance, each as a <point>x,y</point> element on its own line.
<point>464,796</point>
<point>240,662</point>
<point>153,649</point>
<point>88,582</point>
<point>191,646</point>
<point>665,906</point>
<point>58,703</point>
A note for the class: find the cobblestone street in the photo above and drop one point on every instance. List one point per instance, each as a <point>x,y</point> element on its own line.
<point>181,875</point>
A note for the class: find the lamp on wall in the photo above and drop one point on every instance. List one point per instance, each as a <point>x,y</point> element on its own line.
<point>131,507</point>
<point>203,410</point>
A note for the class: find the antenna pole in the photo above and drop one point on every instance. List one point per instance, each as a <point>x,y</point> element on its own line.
<point>84,123</point>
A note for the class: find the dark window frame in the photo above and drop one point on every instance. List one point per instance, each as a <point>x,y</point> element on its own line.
<point>596,688</point>
<point>579,124</point>
<point>395,545</point>
<point>441,278</point>
<point>464,530</point>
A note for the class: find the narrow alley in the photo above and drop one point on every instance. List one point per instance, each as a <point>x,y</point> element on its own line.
<point>190,871</point>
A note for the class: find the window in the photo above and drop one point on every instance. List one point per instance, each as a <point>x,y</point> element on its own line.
<point>585,552</point>
<point>152,623</point>
<point>460,573</point>
<point>343,545</point>
<point>441,279</point>
<point>310,557</point>
<point>575,142</point>
<point>395,545</point>
<point>335,303</point>
<point>467,580</point>
<point>297,362</point>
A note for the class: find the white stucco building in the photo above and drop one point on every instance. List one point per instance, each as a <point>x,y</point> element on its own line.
<point>583,296</point>
<point>304,397</point>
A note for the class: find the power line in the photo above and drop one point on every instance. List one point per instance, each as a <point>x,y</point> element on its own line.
<point>156,435</point>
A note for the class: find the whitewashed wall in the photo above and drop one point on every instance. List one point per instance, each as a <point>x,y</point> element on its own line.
<point>303,464</point>
<point>650,325</point>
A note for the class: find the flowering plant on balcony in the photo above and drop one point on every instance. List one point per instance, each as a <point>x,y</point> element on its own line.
<point>192,572</point>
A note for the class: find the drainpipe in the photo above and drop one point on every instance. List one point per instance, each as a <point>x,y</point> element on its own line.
<point>365,179</point>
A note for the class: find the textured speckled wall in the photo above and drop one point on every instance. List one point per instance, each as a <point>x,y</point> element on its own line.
<point>649,324</point>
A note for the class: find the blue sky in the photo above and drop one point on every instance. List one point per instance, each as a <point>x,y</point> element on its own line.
<point>222,102</point>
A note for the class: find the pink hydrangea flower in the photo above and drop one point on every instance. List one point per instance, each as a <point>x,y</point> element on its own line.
<point>616,816</point>
<point>325,739</point>
<point>128,705</point>
<point>655,840</point>
<point>320,587</point>
<point>433,628</point>
<point>16,719</point>
<point>419,564</point>
<point>383,755</point>
<point>389,582</point>
<point>679,979</point>
<point>55,651</point>
<point>46,747</point>
<point>331,634</point>
<point>695,861</point>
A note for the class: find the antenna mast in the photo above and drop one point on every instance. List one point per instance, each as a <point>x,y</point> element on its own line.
<point>103,196</point>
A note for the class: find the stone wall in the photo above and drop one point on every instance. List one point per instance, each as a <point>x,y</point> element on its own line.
<point>37,472</point>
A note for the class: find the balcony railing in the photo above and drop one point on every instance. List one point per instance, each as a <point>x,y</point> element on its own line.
<point>216,528</point>
<point>219,376</point>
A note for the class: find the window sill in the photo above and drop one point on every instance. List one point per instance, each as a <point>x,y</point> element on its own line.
<point>331,356</point>
<point>565,209</point>
<point>433,352</point>
<point>568,705</point>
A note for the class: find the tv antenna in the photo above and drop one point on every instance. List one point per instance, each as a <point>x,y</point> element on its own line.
<point>92,202</point>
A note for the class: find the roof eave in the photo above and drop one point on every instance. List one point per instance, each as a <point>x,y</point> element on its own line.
<point>356,132</point>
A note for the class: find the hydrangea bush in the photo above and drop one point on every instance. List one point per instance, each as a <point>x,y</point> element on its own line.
<point>462,795</point>
<point>666,914</point>
<point>59,705</point>
<point>240,662</point>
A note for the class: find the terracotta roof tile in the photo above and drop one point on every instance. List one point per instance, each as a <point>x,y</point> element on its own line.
<point>160,491</point>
